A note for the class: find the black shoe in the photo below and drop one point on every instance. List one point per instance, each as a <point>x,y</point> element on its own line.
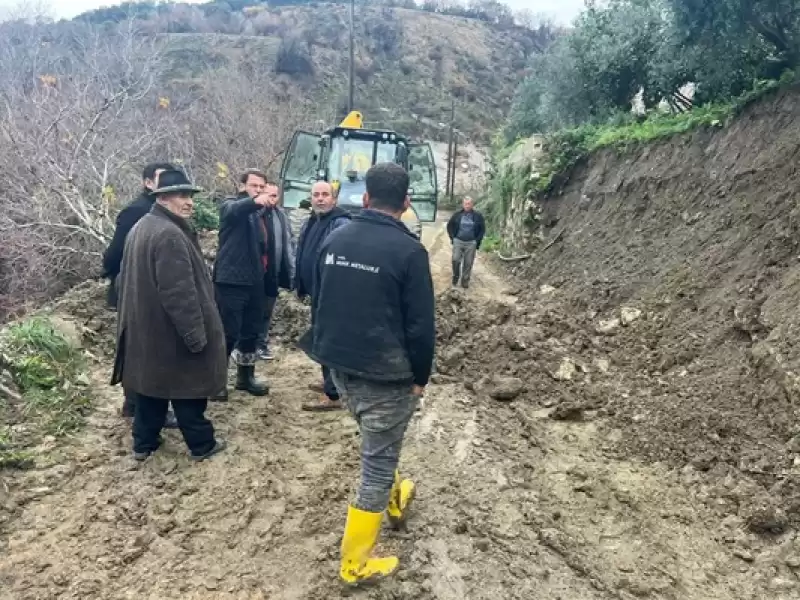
<point>219,446</point>
<point>246,381</point>
<point>171,422</point>
<point>143,456</point>
<point>221,397</point>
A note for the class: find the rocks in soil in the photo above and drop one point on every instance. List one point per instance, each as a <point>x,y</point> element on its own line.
<point>566,370</point>
<point>766,520</point>
<point>505,388</point>
<point>629,315</point>
<point>608,327</point>
<point>567,411</point>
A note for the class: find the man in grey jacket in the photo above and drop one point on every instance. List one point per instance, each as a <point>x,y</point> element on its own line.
<point>280,269</point>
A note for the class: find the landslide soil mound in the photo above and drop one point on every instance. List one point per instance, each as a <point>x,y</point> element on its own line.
<point>512,503</point>
<point>672,301</point>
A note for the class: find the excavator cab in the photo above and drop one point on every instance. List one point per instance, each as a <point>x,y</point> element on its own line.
<point>343,155</point>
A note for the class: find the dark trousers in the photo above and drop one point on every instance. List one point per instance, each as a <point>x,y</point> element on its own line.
<point>328,385</point>
<point>263,335</point>
<point>241,308</point>
<point>129,404</point>
<point>198,432</point>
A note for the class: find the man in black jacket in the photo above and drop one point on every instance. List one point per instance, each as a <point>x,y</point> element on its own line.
<point>373,326</point>
<point>466,229</point>
<point>239,276</point>
<point>112,258</point>
<point>326,217</point>
<point>280,264</point>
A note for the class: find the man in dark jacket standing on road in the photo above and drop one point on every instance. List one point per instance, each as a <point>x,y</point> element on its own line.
<point>239,275</point>
<point>466,229</point>
<point>326,218</point>
<point>373,326</point>
<point>280,264</point>
<point>112,258</point>
<point>170,341</point>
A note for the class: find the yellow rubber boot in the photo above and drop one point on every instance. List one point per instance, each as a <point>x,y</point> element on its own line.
<point>360,534</point>
<point>400,499</point>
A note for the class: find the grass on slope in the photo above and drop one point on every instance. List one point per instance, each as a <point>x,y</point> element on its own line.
<point>564,149</point>
<point>47,395</point>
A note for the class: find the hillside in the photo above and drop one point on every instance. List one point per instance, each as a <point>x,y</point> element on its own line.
<point>409,63</point>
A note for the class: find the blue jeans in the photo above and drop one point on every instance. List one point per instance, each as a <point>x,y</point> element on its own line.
<point>383,412</point>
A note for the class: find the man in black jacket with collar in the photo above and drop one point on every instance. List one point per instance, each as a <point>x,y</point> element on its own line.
<point>326,218</point>
<point>239,276</point>
<point>280,247</point>
<point>112,258</point>
<point>373,326</point>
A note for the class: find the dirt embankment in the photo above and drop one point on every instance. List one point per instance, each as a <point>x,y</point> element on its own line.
<point>670,306</point>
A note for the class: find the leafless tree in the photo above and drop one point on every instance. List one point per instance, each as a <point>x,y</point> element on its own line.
<point>79,110</point>
<point>243,118</point>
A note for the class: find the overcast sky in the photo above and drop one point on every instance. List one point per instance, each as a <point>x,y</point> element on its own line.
<point>562,10</point>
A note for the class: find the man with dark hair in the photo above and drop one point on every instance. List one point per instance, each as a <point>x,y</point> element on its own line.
<point>170,341</point>
<point>373,326</point>
<point>112,258</point>
<point>465,229</point>
<point>239,276</point>
<point>280,264</point>
<point>325,218</point>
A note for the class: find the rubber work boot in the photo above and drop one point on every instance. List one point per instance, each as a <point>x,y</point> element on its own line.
<point>400,498</point>
<point>246,381</point>
<point>360,534</point>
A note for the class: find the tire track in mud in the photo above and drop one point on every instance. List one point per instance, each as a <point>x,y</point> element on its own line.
<point>510,505</point>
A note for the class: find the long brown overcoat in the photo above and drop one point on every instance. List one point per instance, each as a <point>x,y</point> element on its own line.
<point>170,341</point>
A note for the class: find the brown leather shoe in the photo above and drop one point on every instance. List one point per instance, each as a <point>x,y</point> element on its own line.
<point>324,404</point>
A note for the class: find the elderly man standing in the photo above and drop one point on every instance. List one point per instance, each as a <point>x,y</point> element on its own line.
<point>239,275</point>
<point>112,258</point>
<point>170,341</point>
<point>326,217</point>
<point>466,229</point>
<point>373,325</point>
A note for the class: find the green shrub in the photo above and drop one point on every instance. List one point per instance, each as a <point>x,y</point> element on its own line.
<point>206,214</point>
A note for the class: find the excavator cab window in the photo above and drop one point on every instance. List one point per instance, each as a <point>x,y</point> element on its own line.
<point>423,188</point>
<point>299,168</point>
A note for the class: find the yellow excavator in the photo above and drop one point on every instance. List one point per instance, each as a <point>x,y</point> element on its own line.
<point>342,155</point>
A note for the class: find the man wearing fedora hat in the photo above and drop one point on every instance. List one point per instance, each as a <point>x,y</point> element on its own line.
<point>112,257</point>
<point>170,340</point>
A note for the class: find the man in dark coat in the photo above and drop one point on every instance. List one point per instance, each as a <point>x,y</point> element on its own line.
<point>325,218</point>
<point>280,267</point>
<point>239,277</point>
<point>170,341</point>
<point>465,229</point>
<point>112,258</point>
<point>373,325</point>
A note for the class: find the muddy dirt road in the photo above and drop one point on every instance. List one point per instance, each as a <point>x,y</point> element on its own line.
<point>511,504</point>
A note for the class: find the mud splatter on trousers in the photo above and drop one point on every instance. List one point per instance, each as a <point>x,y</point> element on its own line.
<point>382,411</point>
